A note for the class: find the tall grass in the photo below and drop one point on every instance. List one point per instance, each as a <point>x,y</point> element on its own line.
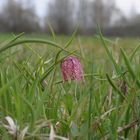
<point>35,103</point>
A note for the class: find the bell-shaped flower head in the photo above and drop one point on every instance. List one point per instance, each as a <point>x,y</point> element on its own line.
<point>71,69</point>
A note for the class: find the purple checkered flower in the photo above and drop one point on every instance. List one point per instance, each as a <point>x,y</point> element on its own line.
<point>71,69</point>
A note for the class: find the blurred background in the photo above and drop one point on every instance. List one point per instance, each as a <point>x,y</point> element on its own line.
<point>115,17</point>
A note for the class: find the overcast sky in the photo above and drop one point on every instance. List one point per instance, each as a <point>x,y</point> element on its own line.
<point>124,5</point>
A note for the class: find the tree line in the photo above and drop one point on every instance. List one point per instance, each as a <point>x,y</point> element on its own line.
<point>65,15</point>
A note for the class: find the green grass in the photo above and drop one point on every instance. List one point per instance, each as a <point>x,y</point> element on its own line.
<point>105,106</point>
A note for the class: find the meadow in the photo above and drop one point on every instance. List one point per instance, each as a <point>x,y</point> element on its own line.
<point>36,104</point>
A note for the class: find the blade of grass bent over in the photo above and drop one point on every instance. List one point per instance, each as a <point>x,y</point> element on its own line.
<point>31,41</point>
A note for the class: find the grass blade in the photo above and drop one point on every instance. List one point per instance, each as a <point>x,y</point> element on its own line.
<point>129,67</point>
<point>134,52</point>
<point>16,37</point>
<point>114,86</point>
<point>107,50</point>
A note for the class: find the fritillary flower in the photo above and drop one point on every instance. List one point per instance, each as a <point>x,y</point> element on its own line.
<point>71,69</point>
